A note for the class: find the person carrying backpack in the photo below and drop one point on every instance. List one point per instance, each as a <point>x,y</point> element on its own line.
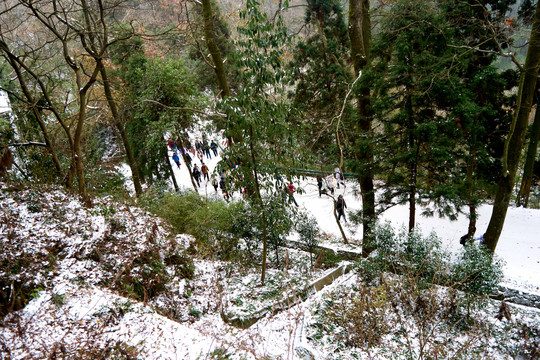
<point>340,208</point>
<point>214,147</point>
<point>215,182</point>
<point>197,174</point>
<point>204,170</point>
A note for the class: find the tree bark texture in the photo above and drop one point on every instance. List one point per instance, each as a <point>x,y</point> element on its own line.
<point>516,137</point>
<point>360,36</point>
<point>119,124</point>
<point>210,38</point>
<point>528,169</point>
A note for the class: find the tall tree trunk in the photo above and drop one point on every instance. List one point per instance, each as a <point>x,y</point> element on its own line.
<point>217,59</point>
<point>171,172</point>
<point>119,124</point>
<point>79,167</point>
<point>471,166</point>
<point>526,182</point>
<point>412,163</point>
<point>360,36</point>
<point>259,199</point>
<point>516,137</point>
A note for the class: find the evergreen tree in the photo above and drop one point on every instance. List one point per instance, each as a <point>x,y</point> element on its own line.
<point>321,75</point>
<point>415,93</point>
<point>258,114</point>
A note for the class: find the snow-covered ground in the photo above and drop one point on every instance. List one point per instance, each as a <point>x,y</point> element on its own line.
<point>518,246</point>
<point>75,316</point>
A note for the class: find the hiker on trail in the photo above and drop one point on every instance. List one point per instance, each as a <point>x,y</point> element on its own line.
<point>206,149</point>
<point>176,159</point>
<point>319,184</point>
<point>172,145</point>
<point>224,190</point>
<point>340,208</point>
<point>290,190</point>
<point>214,146</point>
<point>197,174</point>
<point>281,192</point>
<point>339,177</point>
<point>187,157</point>
<point>200,155</point>
<point>330,183</point>
<point>204,170</point>
<point>215,182</point>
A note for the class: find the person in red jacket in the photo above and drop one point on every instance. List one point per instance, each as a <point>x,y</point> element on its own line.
<point>290,190</point>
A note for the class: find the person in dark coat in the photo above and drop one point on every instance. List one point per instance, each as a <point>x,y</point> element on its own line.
<point>206,149</point>
<point>224,190</point>
<point>215,182</point>
<point>197,174</point>
<point>187,157</point>
<point>214,146</point>
<point>319,184</point>
<point>340,208</point>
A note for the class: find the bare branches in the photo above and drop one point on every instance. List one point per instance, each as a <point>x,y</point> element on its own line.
<point>183,108</point>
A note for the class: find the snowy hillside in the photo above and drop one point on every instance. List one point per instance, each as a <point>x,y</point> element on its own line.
<point>112,281</point>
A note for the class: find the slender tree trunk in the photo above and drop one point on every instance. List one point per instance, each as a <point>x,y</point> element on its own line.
<point>360,36</point>
<point>516,137</point>
<point>412,163</point>
<point>470,193</point>
<point>528,169</point>
<point>171,172</point>
<point>188,165</point>
<point>18,63</point>
<point>37,114</point>
<point>261,204</point>
<point>118,123</point>
<point>79,167</point>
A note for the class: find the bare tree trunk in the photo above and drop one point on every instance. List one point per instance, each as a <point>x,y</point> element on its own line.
<point>516,137</point>
<point>472,205</point>
<point>528,169</point>
<point>261,204</point>
<point>360,36</point>
<point>217,59</point>
<point>171,172</point>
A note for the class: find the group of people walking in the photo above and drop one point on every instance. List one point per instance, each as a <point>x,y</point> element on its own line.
<point>182,147</point>
<point>328,184</point>
<point>219,180</point>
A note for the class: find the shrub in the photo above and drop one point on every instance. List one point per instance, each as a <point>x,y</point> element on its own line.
<point>358,319</point>
<point>476,272</point>
<point>308,230</point>
<point>404,253</point>
<point>210,221</point>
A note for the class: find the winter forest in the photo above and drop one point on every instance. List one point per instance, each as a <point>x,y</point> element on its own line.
<point>269,179</point>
